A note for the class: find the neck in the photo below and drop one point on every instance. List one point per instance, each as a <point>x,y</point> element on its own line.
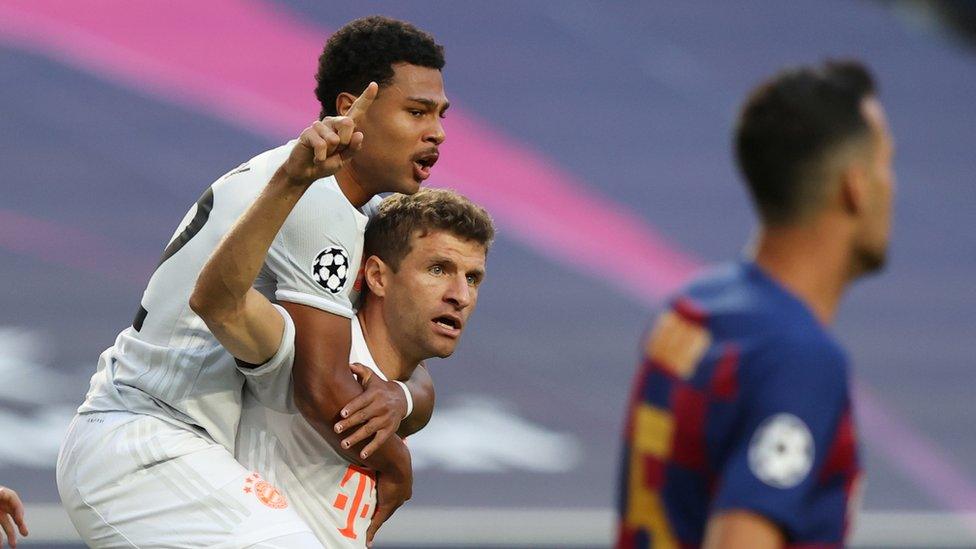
<point>351,185</point>
<point>392,362</point>
<point>809,260</point>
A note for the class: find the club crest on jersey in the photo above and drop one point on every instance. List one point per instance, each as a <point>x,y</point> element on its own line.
<point>781,451</point>
<point>331,269</point>
<point>265,492</point>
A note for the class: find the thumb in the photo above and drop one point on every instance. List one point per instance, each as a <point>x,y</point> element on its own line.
<point>382,513</point>
<point>362,372</point>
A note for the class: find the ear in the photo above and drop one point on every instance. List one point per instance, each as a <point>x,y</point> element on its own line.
<point>376,273</point>
<point>854,190</point>
<point>343,101</point>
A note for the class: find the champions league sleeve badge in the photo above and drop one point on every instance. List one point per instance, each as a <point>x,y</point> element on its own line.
<point>331,269</point>
<point>781,451</point>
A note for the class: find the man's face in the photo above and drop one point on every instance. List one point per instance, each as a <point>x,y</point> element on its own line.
<point>402,131</point>
<point>872,239</point>
<point>430,297</point>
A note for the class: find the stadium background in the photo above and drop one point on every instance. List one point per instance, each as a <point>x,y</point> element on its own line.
<point>597,135</point>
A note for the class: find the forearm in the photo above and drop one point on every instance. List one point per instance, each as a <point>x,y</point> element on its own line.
<point>323,383</point>
<point>229,273</point>
<point>321,409</point>
<point>421,387</point>
<point>738,529</point>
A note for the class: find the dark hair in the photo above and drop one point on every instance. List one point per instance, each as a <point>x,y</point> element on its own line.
<point>790,127</point>
<point>401,216</point>
<point>365,51</point>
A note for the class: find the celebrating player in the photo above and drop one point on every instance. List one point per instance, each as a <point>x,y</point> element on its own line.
<point>426,259</point>
<point>740,432</point>
<point>149,460</point>
<point>11,514</point>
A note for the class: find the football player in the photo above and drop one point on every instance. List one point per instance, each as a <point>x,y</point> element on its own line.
<point>740,433</point>
<point>425,262</point>
<point>152,447</point>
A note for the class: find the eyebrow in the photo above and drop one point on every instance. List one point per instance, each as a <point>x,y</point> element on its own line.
<point>429,103</point>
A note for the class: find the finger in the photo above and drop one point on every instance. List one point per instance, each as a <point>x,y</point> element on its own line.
<point>316,141</point>
<point>358,417</point>
<point>362,372</point>
<point>374,425</point>
<point>355,143</point>
<point>375,444</point>
<point>363,102</point>
<point>328,141</point>
<point>18,512</point>
<point>344,126</point>
<point>8,528</point>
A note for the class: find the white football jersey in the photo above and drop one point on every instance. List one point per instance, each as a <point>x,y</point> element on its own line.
<point>335,499</point>
<point>168,364</point>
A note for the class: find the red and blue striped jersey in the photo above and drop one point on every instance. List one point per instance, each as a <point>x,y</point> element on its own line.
<point>741,401</point>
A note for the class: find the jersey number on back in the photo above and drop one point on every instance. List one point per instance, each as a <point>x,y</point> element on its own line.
<point>204,206</point>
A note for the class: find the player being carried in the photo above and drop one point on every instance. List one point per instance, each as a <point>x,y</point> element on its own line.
<point>425,261</point>
<point>149,459</point>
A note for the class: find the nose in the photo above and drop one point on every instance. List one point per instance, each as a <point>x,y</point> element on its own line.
<point>436,133</point>
<point>459,293</point>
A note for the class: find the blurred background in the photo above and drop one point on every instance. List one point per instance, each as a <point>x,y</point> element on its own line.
<point>597,134</point>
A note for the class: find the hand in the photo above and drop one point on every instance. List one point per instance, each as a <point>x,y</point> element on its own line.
<point>12,512</point>
<point>392,491</point>
<point>379,409</point>
<point>325,146</point>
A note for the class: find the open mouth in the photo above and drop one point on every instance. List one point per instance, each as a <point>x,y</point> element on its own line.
<point>449,324</point>
<point>423,164</point>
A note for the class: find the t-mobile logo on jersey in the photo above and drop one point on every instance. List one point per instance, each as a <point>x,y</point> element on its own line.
<point>364,488</point>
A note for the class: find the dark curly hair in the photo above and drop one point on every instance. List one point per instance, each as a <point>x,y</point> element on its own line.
<point>365,51</point>
<point>791,127</point>
<point>401,216</point>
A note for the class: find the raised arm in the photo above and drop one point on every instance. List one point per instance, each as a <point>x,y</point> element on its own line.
<point>240,318</point>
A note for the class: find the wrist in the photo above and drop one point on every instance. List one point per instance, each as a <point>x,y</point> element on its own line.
<point>407,396</point>
<point>300,182</point>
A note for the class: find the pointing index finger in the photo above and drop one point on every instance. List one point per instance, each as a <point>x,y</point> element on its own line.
<point>362,103</point>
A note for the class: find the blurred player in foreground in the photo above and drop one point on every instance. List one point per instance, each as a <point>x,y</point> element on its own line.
<point>11,514</point>
<point>149,459</point>
<point>740,432</point>
<point>425,261</point>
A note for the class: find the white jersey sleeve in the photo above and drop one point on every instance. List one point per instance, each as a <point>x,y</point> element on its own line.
<point>271,383</point>
<point>315,259</point>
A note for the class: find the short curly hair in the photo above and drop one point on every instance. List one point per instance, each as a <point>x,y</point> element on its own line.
<point>365,51</point>
<point>401,216</point>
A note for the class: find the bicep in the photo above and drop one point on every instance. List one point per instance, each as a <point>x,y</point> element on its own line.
<point>789,416</point>
<point>736,529</point>
<point>321,365</point>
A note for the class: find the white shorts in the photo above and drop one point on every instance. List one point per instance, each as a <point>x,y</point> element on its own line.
<point>133,480</point>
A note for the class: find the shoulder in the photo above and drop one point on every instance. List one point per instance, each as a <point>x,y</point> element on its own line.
<point>720,291</point>
<point>799,347</point>
<point>797,365</point>
<point>373,206</point>
<point>325,196</point>
<point>242,183</point>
